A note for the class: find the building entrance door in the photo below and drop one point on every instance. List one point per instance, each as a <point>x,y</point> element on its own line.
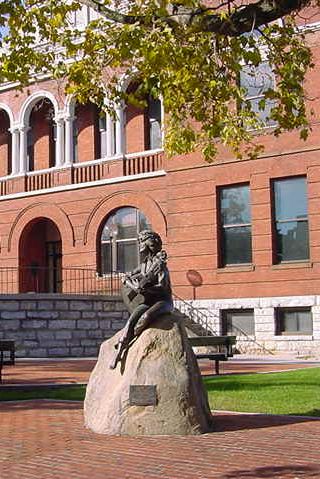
<point>54,260</point>
<point>40,258</point>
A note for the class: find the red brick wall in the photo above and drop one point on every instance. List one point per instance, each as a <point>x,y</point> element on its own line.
<point>135,129</point>
<point>86,120</point>
<point>41,136</point>
<point>193,229</point>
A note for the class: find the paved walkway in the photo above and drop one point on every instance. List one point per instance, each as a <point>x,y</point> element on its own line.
<point>78,371</point>
<point>47,440</point>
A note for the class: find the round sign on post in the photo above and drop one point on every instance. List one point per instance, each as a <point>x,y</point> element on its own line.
<point>195,279</point>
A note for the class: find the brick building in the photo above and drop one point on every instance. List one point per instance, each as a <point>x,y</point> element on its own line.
<point>243,237</point>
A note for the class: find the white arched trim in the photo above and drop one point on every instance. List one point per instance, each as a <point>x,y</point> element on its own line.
<point>8,110</point>
<point>127,78</point>
<point>32,100</point>
<point>70,105</point>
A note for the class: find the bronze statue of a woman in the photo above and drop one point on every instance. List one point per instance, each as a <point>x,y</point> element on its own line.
<point>146,291</point>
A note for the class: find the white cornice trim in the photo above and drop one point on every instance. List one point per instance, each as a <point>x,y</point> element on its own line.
<point>89,184</point>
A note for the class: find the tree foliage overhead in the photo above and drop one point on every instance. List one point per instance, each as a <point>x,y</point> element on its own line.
<point>191,53</point>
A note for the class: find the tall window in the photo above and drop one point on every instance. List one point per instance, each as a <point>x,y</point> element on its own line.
<point>119,240</point>
<point>291,220</point>
<point>291,321</point>
<point>256,80</point>
<point>238,322</point>
<point>154,116</point>
<point>235,221</point>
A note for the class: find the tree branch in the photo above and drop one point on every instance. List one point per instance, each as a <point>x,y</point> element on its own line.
<point>239,21</point>
<point>242,20</point>
<point>111,14</point>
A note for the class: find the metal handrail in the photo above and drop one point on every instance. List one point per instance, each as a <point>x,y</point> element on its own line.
<point>199,317</point>
<point>66,280</point>
<point>249,338</point>
<point>195,314</point>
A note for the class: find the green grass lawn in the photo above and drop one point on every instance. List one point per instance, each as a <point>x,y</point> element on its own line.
<point>74,393</point>
<point>292,392</point>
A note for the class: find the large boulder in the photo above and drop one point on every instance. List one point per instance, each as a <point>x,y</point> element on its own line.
<point>161,356</point>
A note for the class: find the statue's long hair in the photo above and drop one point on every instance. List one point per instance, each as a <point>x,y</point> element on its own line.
<point>149,234</point>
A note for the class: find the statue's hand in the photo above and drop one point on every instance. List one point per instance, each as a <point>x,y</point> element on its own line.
<point>126,277</point>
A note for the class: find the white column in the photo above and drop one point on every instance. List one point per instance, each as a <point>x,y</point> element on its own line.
<point>68,159</point>
<point>15,134</point>
<point>23,160</point>
<point>120,133</point>
<point>59,141</point>
<point>110,135</point>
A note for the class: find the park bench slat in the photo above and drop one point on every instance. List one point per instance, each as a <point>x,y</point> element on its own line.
<point>225,348</point>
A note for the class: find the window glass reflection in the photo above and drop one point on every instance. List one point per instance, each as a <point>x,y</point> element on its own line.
<point>119,240</point>
<point>237,245</point>
<point>292,321</point>
<point>235,215</point>
<point>293,241</point>
<point>238,323</point>
<point>257,80</point>
<point>291,219</point>
<point>290,198</point>
<point>235,206</point>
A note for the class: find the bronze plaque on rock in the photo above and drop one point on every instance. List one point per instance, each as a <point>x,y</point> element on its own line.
<point>141,395</point>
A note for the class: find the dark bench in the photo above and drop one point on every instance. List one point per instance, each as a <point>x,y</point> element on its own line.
<point>7,354</point>
<point>223,344</point>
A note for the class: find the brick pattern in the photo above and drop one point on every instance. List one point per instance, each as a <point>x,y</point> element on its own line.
<point>48,440</point>
<point>86,121</point>
<point>47,326</point>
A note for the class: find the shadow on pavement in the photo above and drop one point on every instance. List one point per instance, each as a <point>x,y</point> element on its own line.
<point>274,472</point>
<point>37,404</point>
<point>235,422</point>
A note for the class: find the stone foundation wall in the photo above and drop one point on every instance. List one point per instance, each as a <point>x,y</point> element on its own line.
<point>264,323</point>
<point>56,325</point>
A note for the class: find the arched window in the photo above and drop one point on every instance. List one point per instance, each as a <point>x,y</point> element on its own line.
<point>119,240</point>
